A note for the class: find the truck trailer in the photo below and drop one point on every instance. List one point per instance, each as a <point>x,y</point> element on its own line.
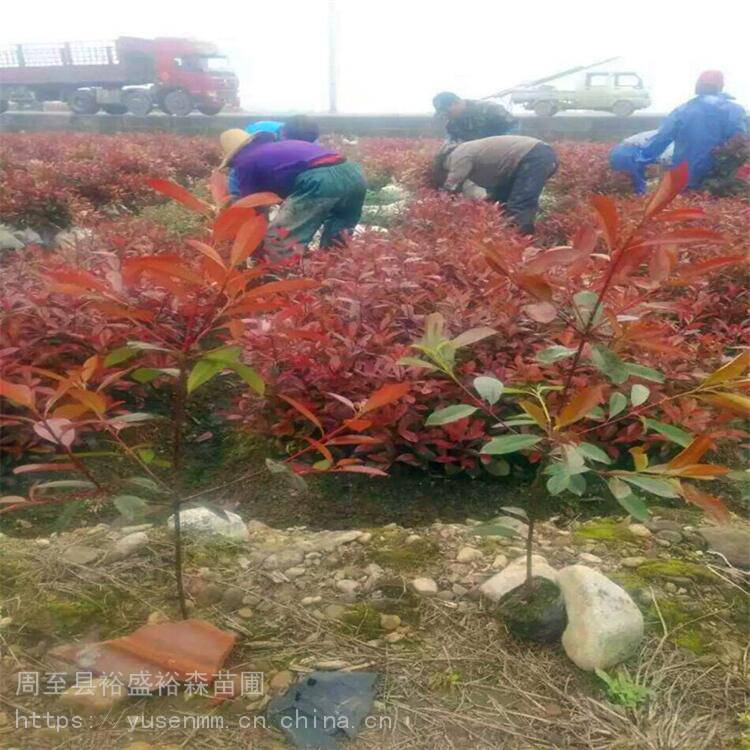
<point>127,75</point>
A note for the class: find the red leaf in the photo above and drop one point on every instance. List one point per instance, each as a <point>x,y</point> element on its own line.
<point>385,395</point>
<point>73,281</point>
<point>17,393</point>
<point>693,453</point>
<point>358,424</point>
<point>689,272</point>
<point>670,186</point>
<point>31,468</point>
<point>303,410</point>
<point>208,251</point>
<point>708,503</point>
<point>161,265</point>
<point>536,285</point>
<point>355,440</point>
<point>607,214</point>
<point>257,199</point>
<point>218,186</point>
<point>541,312</point>
<point>681,214</point>
<point>178,193</point>
<point>684,237</point>
<point>57,430</point>
<point>371,470</point>
<point>248,239</point>
<point>580,405</point>
<point>277,287</point>
<point>229,222</point>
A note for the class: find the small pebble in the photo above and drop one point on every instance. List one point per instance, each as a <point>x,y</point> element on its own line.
<point>390,622</point>
<point>245,613</point>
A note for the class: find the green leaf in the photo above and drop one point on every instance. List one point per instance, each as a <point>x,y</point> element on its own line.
<point>559,480</point>
<point>607,362</point>
<point>639,394</point>
<point>322,465</point>
<point>584,304</point>
<point>202,372</point>
<point>515,511</point>
<point>594,452</point>
<point>654,485</point>
<point>145,346</point>
<point>66,484</point>
<point>116,356</point>
<point>618,488</point>
<point>554,354</point>
<point>295,480</point>
<point>130,506</point>
<point>145,483</point>
<point>641,371</point>
<point>510,444</point>
<point>449,414</point>
<point>472,336</point>
<point>490,389</point>
<point>617,402</point>
<point>416,362</point>
<point>134,417</point>
<point>577,484</point>
<point>675,434</point>
<point>519,421</point>
<point>495,529</point>
<point>498,467</point>
<point>249,375</point>
<point>147,374</point>
<point>147,455</point>
<point>634,506</point>
<point>227,354</point>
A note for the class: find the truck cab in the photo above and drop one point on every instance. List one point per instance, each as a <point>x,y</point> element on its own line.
<point>192,74</point>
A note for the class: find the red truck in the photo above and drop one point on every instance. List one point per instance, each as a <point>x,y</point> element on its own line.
<point>125,75</point>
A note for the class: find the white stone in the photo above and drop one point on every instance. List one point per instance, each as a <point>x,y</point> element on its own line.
<point>589,558</point>
<point>365,538</point>
<point>347,585</point>
<point>204,522</point>
<point>499,562</point>
<point>288,558</point>
<point>127,546</point>
<point>514,575</point>
<point>310,600</point>
<point>605,626</point>
<point>638,529</point>
<point>468,554</point>
<point>425,586</point>
<point>633,562</point>
<point>294,572</point>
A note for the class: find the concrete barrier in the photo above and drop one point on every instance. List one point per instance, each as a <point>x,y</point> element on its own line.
<point>561,127</point>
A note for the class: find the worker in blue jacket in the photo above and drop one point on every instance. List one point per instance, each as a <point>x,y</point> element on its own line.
<point>696,128</point>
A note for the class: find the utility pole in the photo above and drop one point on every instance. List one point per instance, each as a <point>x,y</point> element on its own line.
<point>332,57</point>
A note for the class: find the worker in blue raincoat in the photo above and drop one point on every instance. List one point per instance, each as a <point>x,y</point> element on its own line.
<point>696,128</point>
<point>624,157</point>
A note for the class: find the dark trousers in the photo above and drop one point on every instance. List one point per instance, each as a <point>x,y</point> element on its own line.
<point>520,194</point>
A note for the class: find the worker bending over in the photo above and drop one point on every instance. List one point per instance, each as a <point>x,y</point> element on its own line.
<point>624,157</point>
<point>696,128</point>
<point>513,169</point>
<point>319,187</point>
<point>469,119</point>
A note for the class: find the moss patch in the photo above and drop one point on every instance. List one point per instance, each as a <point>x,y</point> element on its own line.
<point>675,569</point>
<point>390,550</point>
<point>607,529</point>
<point>362,621</point>
<point>678,618</point>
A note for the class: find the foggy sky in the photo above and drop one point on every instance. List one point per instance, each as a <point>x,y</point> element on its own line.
<point>395,54</point>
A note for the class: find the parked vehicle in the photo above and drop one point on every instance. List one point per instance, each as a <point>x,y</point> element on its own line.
<point>125,75</point>
<point>621,93</point>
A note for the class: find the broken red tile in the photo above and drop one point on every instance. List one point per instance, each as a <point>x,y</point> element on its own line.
<point>192,649</point>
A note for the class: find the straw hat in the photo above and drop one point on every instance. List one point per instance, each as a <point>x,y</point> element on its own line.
<point>232,141</point>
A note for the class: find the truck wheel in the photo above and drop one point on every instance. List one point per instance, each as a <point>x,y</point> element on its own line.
<point>210,109</point>
<point>3,106</point>
<point>114,109</point>
<point>622,109</point>
<point>138,103</point>
<point>178,103</point>
<point>545,108</point>
<point>83,103</point>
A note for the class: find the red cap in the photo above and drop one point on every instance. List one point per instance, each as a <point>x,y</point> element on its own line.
<point>709,82</point>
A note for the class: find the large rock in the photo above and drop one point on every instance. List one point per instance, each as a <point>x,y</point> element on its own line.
<point>733,543</point>
<point>514,575</point>
<point>80,554</point>
<point>605,626</point>
<point>127,546</point>
<point>206,522</point>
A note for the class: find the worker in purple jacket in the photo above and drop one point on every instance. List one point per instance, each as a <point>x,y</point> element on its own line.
<point>319,187</point>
